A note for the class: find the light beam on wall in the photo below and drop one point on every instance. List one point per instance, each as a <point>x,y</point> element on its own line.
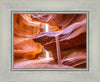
<point>47,30</point>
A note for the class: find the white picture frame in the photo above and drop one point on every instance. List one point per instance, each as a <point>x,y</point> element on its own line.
<point>9,74</point>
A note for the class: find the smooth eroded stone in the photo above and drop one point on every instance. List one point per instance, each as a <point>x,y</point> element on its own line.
<point>75,57</point>
<point>72,39</point>
<point>60,20</point>
<point>26,48</point>
<point>73,36</point>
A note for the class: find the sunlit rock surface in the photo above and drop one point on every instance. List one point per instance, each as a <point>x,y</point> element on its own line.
<point>24,30</point>
<point>72,42</point>
<point>26,49</point>
<point>30,37</point>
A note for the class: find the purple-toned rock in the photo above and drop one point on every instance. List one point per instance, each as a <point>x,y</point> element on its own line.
<point>72,37</point>
<point>60,20</point>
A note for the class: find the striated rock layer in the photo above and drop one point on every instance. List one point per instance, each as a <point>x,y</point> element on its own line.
<point>72,40</point>
<point>25,29</point>
<point>30,37</point>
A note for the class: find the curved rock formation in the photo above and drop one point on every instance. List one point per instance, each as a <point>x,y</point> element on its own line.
<point>24,30</point>
<point>72,40</point>
<point>30,36</point>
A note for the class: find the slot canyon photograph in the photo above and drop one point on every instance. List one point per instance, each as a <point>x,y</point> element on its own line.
<point>50,40</point>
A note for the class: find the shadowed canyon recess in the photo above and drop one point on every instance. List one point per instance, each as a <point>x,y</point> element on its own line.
<point>35,43</point>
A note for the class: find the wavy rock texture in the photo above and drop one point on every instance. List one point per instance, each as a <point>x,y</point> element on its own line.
<point>60,20</point>
<point>29,37</point>
<point>72,39</point>
<point>24,30</point>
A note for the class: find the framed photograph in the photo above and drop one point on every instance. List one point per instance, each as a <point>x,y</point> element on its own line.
<point>50,40</point>
<point>44,43</point>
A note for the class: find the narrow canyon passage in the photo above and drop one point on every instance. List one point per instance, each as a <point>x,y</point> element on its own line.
<point>49,40</point>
